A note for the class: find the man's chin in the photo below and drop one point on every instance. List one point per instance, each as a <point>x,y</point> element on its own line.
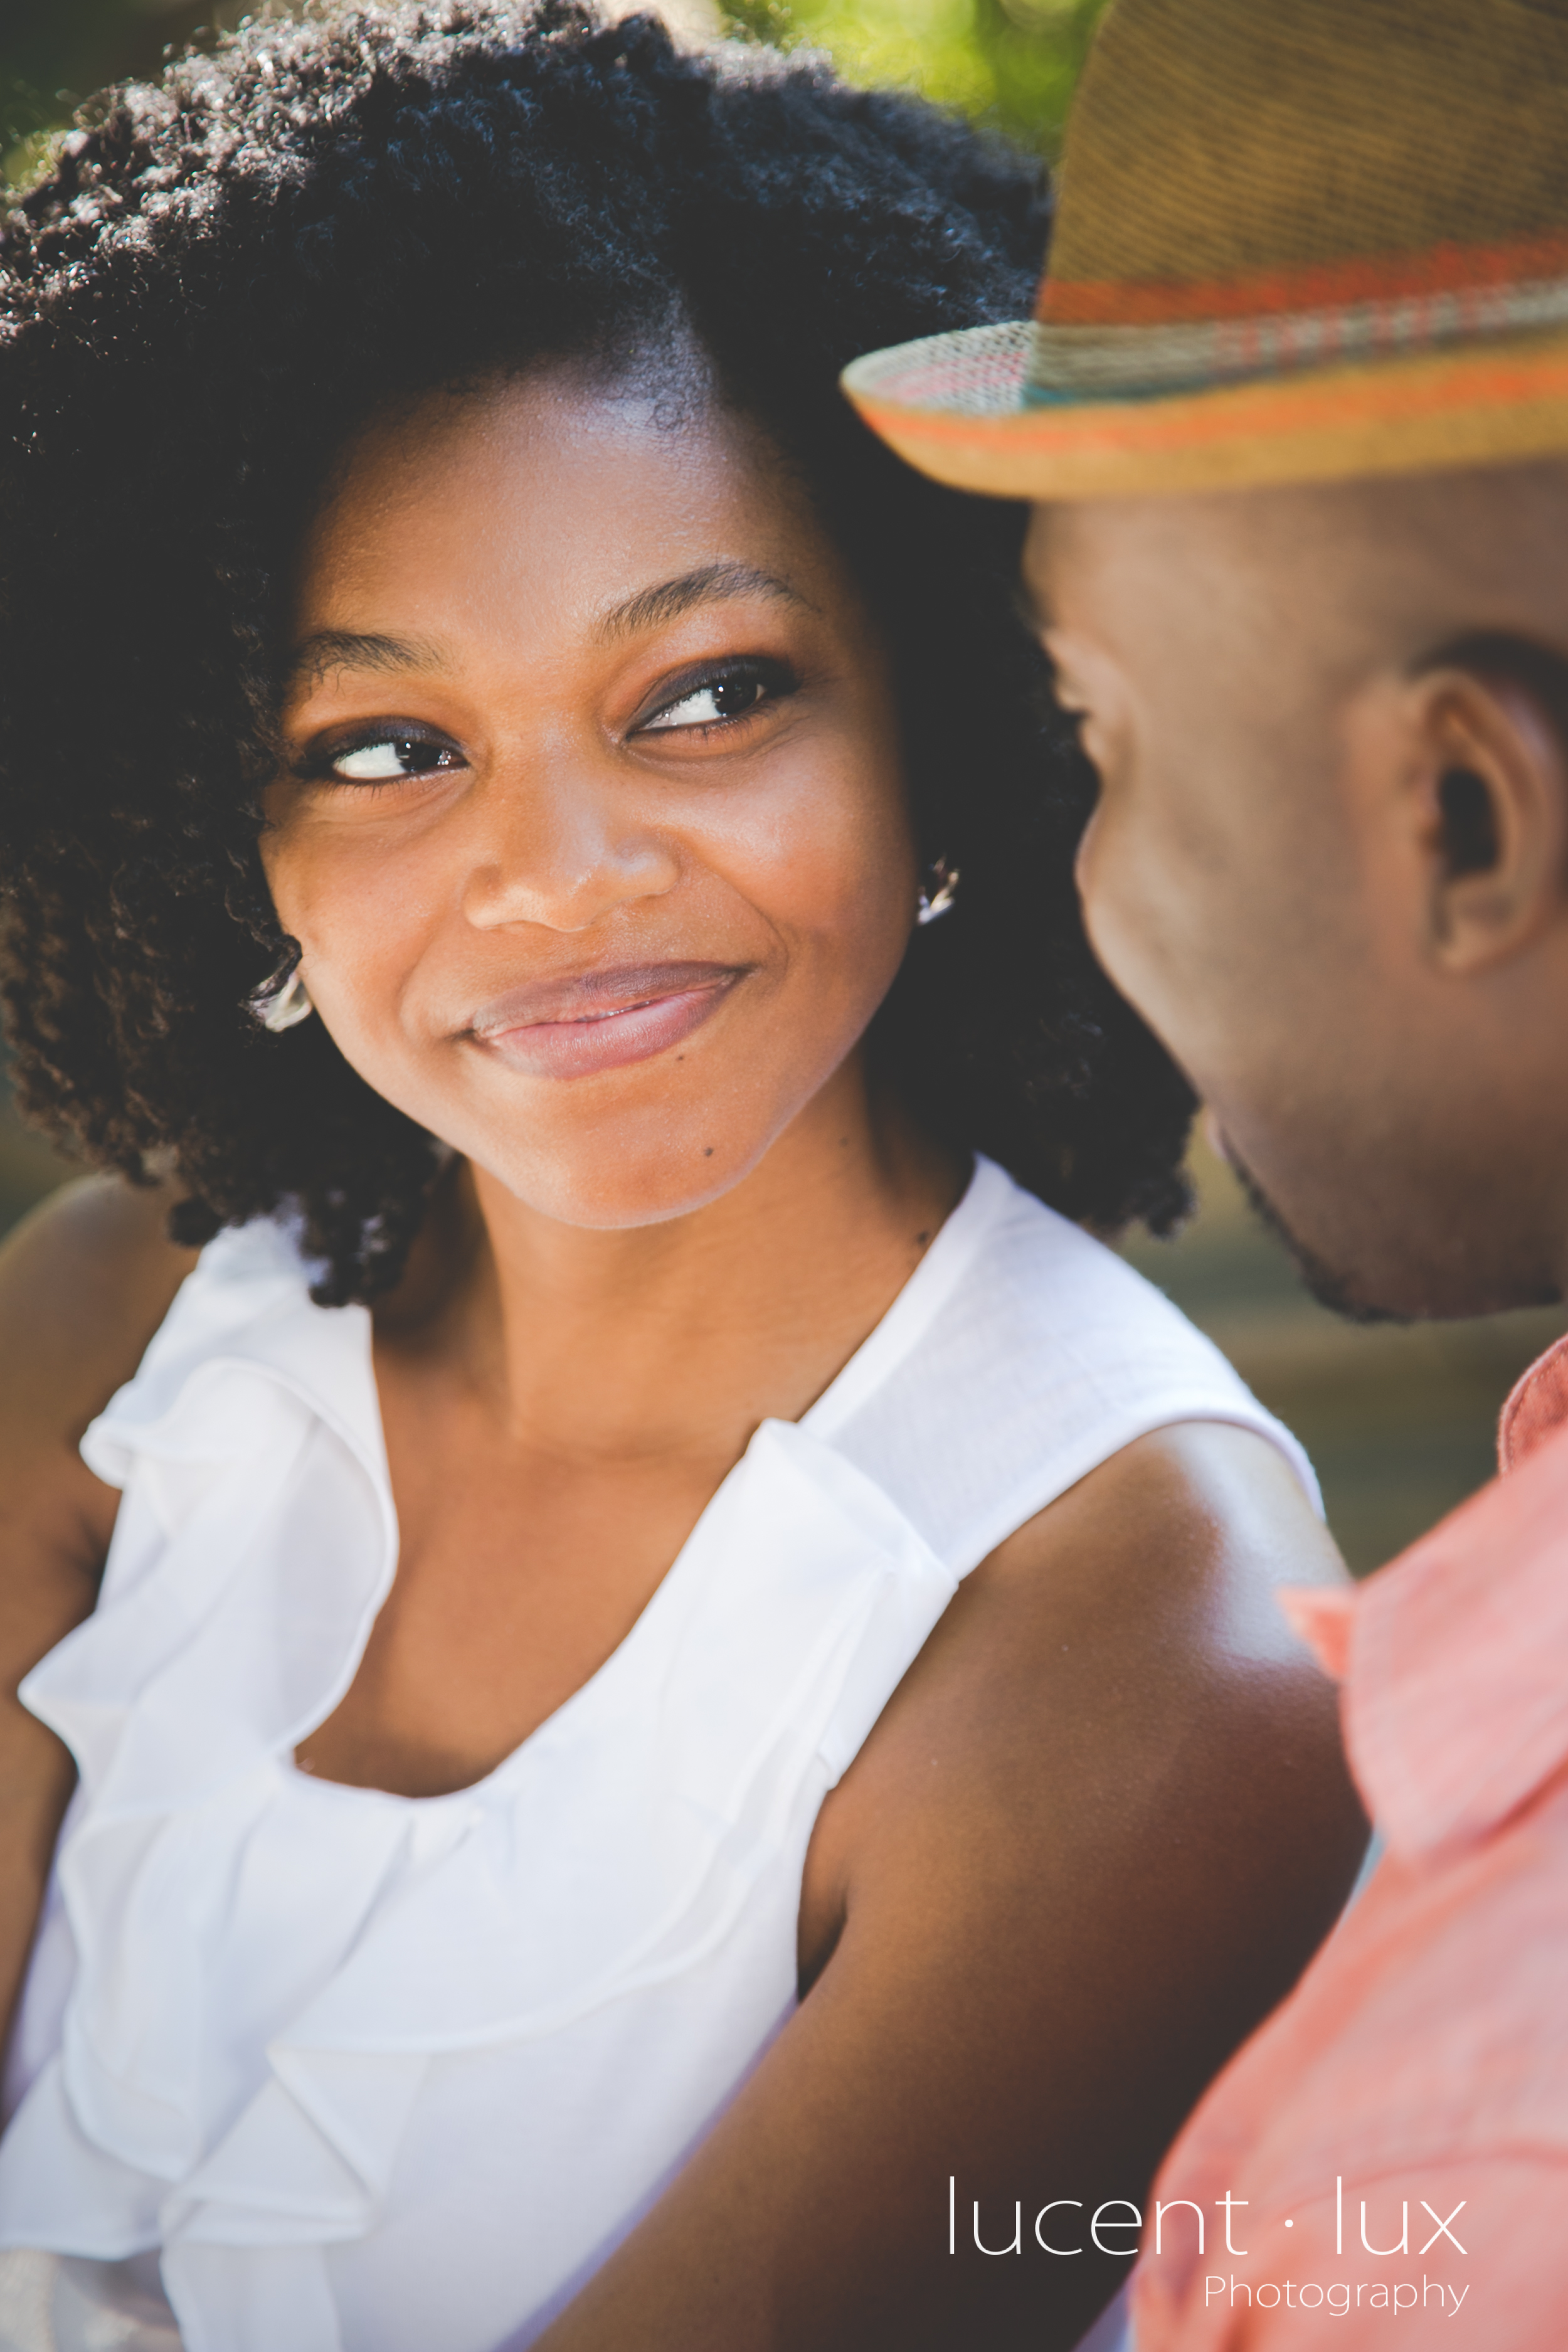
<point>1340,1292</point>
<point>1443,1286</point>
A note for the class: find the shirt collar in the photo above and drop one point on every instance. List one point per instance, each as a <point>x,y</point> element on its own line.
<point>1455,1657</point>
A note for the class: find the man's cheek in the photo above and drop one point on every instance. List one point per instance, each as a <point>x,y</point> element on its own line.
<point>1084,864</point>
<point>1121,912</point>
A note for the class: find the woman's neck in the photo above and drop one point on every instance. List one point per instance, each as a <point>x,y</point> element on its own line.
<point>680,1336</point>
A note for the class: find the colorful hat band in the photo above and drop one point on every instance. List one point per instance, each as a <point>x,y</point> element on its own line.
<point>978,372</point>
<point>1051,366</point>
<point>1131,363</point>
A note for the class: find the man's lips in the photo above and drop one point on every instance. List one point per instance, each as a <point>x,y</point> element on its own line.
<point>599,1020</point>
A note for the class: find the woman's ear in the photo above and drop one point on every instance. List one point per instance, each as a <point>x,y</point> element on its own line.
<point>1490,776</point>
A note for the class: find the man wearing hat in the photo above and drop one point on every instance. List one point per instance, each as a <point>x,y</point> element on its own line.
<point>1294,412</point>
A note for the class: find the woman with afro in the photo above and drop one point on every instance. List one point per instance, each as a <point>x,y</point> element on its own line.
<point>677,1737</point>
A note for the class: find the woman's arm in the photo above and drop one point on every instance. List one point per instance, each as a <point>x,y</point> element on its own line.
<point>85,1281</point>
<point>1092,1840</point>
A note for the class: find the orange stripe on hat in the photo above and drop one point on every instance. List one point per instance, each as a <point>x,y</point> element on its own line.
<point>1441,270</point>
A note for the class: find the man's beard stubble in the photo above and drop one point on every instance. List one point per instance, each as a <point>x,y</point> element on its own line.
<point>1330,1289</point>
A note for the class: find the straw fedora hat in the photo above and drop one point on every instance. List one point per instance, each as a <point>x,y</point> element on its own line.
<point>1296,240</point>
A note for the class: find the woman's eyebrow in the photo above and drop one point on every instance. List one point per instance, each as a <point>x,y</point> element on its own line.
<point>332,650</point>
<point>710,583</point>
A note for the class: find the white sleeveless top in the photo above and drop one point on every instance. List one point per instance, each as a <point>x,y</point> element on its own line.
<point>379,2073</point>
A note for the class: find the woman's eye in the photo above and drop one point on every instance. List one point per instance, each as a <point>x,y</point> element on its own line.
<point>714,701</point>
<point>394,756</point>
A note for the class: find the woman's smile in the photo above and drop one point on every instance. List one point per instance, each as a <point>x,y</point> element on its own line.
<point>592,1021</point>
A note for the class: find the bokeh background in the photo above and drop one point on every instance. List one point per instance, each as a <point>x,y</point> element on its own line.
<point>1013,62</point>
<point>1399,1421</point>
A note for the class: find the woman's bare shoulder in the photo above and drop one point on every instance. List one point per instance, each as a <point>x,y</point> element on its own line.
<point>1125,1644</point>
<point>85,1281</point>
<point>1124,1651</point>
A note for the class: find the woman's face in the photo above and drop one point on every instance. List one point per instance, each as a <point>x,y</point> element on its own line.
<point>593,832</point>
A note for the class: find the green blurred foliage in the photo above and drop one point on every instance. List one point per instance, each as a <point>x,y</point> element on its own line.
<point>1009,62</point>
<point>1012,63</point>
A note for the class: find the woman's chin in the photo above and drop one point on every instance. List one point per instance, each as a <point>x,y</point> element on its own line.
<point>607,1190</point>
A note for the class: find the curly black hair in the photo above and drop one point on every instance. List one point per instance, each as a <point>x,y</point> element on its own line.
<point>226,275</point>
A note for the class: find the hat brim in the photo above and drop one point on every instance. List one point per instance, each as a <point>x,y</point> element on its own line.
<point>954,407</point>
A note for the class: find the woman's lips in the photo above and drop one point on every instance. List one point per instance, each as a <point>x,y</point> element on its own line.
<point>600,1020</point>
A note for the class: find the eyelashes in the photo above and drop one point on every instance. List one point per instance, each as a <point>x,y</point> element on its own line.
<point>708,702</point>
<point>721,697</point>
<point>383,758</point>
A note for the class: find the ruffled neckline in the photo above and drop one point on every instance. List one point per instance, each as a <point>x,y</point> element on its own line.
<point>289,1346</point>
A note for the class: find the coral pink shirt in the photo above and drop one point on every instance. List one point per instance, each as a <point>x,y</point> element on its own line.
<point>1398,2130</point>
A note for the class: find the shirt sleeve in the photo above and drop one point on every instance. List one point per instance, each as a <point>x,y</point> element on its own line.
<point>1483,2267</point>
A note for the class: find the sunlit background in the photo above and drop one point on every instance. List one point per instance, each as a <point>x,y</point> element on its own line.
<point>1013,62</point>
<point>1399,1421</point>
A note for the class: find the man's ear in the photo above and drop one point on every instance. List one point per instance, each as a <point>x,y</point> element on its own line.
<point>1489,771</point>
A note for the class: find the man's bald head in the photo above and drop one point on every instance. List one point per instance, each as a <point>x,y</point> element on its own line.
<point>1330,860</point>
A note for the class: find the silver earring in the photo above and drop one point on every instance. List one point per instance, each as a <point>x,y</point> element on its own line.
<point>936,900</point>
<point>280,1009</point>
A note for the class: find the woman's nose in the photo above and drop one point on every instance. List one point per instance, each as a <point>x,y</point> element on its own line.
<point>556,844</point>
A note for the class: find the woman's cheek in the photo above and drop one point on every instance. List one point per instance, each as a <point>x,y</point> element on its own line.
<point>349,891</point>
<point>857,875</point>
<point>353,921</point>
